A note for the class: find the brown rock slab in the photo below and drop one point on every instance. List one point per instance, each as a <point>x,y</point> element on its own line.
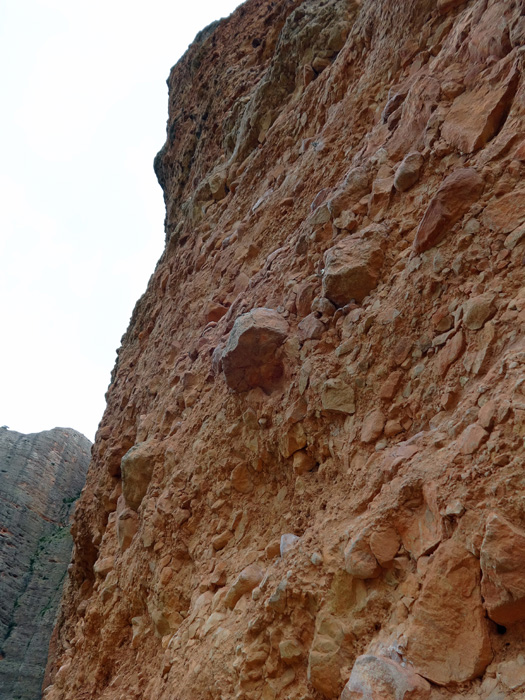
<point>352,269</point>
<point>384,544</point>
<point>503,566</point>
<point>311,328</point>
<point>221,540</point>
<point>241,479</point>
<point>290,651</point>
<point>247,580</point>
<point>293,439</point>
<point>390,385</point>
<point>447,5</point>
<point>478,310</point>
<point>472,438</point>
<point>408,171</point>
<point>476,117</point>
<point>127,527</point>
<point>137,468</point>
<point>380,198</point>
<point>515,238</point>
<point>380,678</point>
<point>420,525</point>
<point>250,356</point>
<point>332,649</point>
<point>337,395</point>
<point>452,201</point>
<point>303,462</point>
<point>505,214</point>
<point>447,635</point>
<point>512,673</point>
<point>451,352</point>
<point>360,562</point>
<point>373,425</point>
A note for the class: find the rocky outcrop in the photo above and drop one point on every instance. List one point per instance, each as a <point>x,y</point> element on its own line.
<point>308,479</point>
<point>41,478</point>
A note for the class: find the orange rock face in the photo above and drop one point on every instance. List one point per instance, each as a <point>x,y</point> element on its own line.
<point>309,475</point>
<point>453,199</point>
<point>448,639</point>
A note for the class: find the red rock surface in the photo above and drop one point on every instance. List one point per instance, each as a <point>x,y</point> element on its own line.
<point>324,380</point>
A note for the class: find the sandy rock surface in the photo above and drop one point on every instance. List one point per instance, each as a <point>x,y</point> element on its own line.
<point>324,380</point>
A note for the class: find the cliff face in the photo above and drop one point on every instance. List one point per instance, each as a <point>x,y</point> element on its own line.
<point>308,481</point>
<point>41,477</point>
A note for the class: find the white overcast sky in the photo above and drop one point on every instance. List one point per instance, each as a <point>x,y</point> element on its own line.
<point>83,112</point>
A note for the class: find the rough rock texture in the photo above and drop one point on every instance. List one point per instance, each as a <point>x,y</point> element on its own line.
<point>41,476</point>
<point>294,529</point>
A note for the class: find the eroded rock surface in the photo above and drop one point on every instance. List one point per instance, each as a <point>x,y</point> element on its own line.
<point>326,373</point>
<point>41,476</point>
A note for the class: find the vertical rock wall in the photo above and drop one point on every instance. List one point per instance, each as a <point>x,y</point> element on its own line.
<point>41,476</point>
<point>308,482</point>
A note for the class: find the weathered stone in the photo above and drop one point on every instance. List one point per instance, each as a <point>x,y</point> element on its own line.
<point>373,425</point>
<point>472,438</point>
<point>103,566</point>
<point>352,269</point>
<point>478,310</point>
<point>250,356</point>
<point>288,543</point>
<point>337,395</point>
<point>137,468</point>
<point>346,221</point>
<point>294,439</point>
<point>384,544</point>
<point>505,214</point>
<point>380,198</point>
<point>303,462</point>
<point>379,678</point>
<point>305,296</point>
<point>127,526</point>
<point>273,549</point>
<point>331,649</point>
<point>221,540</point>
<point>487,415</point>
<point>290,651</point>
<point>447,5</point>
<point>451,352</point>
<point>390,385</point>
<point>447,635</point>
<point>512,673</point>
<point>359,559</point>
<point>515,238</point>
<point>241,479</point>
<point>503,567</point>
<point>420,525</point>
<point>311,328</point>
<point>246,581</point>
<point>452,200</point>
<point>217,184</point>
<point>408,171</point>
<point>277,601</point>
<point>476,117</point>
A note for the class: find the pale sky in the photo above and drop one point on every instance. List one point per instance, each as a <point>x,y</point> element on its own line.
<point>83,113</point>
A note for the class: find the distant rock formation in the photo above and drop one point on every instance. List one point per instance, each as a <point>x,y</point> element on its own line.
<point>41,476</point>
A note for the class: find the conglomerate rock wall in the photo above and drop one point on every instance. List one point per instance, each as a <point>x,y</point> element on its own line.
<point>41,476</point>
<point>308,482</point>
